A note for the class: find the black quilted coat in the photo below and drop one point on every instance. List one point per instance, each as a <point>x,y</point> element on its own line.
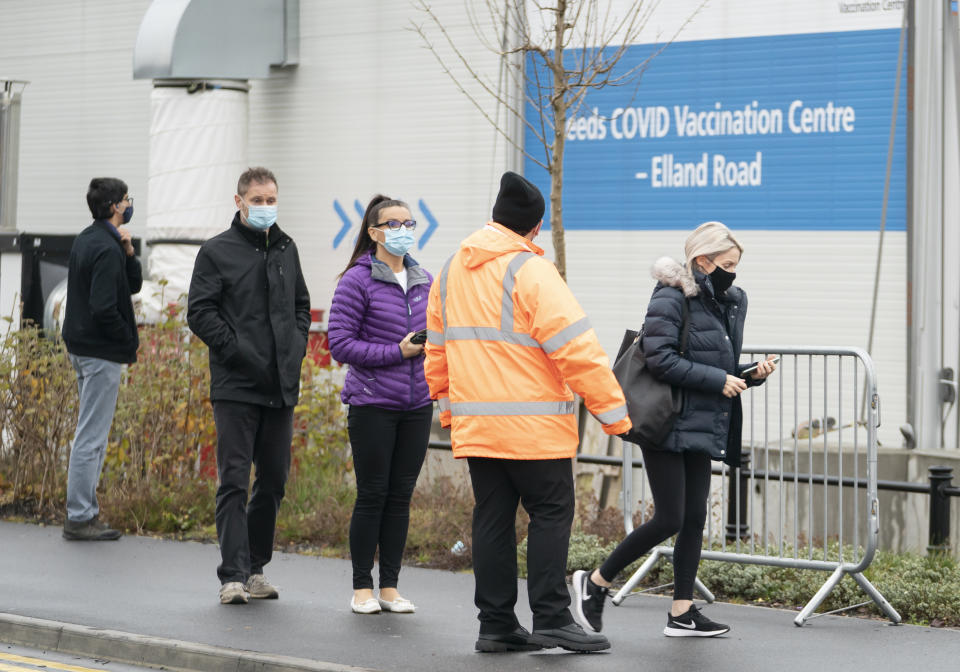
<point>709,422</point>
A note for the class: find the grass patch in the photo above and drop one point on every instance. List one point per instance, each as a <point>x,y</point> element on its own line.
<point>925,590</point>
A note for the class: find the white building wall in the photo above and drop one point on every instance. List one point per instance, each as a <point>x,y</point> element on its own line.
<point>82,114</point>
<point>368,110</point>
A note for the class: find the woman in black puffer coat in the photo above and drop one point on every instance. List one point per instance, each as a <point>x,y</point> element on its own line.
<point>708,427</point>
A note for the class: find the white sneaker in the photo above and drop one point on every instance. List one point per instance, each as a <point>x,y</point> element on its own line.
<point>260,589</point>
<point>233,593</point>
<point>401,605</point>
<point>370,606</point>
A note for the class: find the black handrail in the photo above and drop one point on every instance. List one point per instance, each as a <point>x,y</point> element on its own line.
<point>939,487</point>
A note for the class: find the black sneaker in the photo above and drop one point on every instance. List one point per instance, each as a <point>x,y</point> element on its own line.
<point>518,640</point>
<point>89,530</point>
<point>589,598</point>
<point>693,624</point>
<point>572,638</point>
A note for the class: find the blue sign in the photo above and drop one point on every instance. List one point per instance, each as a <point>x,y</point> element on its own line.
<point>786,132</point>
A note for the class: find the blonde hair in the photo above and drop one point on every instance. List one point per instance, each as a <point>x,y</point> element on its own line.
<point>708,240</point>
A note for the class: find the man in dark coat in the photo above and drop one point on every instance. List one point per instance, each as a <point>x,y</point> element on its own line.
<point>100,332</point>
<point>249,303</point>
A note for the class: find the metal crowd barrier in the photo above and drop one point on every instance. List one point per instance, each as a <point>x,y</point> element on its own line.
<point>808,432</point>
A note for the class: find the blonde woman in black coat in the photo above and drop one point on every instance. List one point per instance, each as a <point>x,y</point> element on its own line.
<point>708,428</point>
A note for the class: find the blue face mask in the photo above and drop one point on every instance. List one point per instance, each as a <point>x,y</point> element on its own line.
<point>261,217</point>
<point>128,214</point>
<point>398,242</point>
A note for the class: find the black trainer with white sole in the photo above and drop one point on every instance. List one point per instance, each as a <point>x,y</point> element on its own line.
<point>693,624</point>
<point>589,599</point>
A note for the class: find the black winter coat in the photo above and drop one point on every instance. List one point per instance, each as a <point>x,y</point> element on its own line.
<point>249,303</point>
<point>713,351</point>
<point>101,278</point>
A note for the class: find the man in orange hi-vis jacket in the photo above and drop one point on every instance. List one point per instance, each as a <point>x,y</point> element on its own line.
<point>506,343</point>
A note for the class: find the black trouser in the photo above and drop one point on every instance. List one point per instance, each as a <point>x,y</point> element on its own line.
<point>388,450</point>
<point>680,483</point>
<point>249,434</point>
<point>545,488</point>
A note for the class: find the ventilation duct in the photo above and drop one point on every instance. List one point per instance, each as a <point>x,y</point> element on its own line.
<point>198,148</point>
<point>200,54</point>
<point>216,39</point>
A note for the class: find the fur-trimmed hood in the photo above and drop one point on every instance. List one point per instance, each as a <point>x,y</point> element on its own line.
<point>672,273</point>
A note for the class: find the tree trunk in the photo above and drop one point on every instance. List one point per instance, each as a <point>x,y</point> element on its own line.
<point>559,105</point>
<point>556,206</point>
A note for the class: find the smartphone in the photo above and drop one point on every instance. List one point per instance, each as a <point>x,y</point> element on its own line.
<point>751,369</point>
<point>419,337</point>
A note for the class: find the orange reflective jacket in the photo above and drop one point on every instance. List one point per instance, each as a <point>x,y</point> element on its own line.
<point>506,342</point>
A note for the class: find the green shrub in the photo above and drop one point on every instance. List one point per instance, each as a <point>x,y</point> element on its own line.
<point>321,489</point>
<point>160,469</point>
<point>38,395</point>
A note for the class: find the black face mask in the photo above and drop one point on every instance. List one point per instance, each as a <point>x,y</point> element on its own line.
<point>721,280</point>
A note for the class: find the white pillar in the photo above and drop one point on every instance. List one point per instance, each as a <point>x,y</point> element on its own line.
<point>951,216</point>
<point>934,220</point>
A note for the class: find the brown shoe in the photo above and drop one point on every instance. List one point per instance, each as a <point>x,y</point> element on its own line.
<point>89,530</point>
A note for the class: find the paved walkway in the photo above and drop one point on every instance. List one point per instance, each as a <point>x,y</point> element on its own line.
<point>164,594</point>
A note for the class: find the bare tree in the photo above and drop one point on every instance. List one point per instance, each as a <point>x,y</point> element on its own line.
<point>576,46</point>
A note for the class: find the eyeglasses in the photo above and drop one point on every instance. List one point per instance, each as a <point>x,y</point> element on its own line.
<point>395,224</point>
<point>128,199</point>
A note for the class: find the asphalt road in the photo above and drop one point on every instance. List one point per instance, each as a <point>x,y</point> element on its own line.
<point>168,589</point>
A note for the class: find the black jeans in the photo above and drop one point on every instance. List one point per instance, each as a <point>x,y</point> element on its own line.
<point>680,483</point>
<point>388,450</point>
<point>249,434</point>
<point>545,488</point>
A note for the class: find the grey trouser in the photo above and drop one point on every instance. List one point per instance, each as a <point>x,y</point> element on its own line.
<point>98,381</point>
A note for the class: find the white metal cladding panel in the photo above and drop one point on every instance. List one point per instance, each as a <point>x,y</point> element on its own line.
<point>82,115</point>
<point>804,288</point>
<point>749,18</point>
<point>370,110</point>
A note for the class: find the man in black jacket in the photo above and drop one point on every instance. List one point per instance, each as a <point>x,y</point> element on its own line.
<point>249,303</point>
<point>100,333</point>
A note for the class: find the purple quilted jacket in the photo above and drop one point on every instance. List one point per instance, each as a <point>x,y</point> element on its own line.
<point>369,317</point>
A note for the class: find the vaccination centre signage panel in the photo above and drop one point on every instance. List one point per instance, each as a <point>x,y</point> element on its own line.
<point>785,132</point>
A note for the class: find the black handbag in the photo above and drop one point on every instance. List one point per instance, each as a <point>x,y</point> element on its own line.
<point>653,405</point>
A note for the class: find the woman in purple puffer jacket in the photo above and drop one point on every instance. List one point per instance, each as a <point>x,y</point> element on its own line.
<point>378,306</point>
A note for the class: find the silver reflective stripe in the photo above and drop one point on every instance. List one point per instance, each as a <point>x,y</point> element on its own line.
<point>489,334</point>
<point>434,337</point>
<point>444,403</point>
<point>509,278</point>
<point>443,290</point>
<point>513,408</point>
<point>610,417</point>
<point>566,335</point>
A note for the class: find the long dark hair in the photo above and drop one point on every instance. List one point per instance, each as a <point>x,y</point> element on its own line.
<point>370,218</point>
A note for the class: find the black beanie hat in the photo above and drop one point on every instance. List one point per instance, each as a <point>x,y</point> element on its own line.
<point>519,205</point>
